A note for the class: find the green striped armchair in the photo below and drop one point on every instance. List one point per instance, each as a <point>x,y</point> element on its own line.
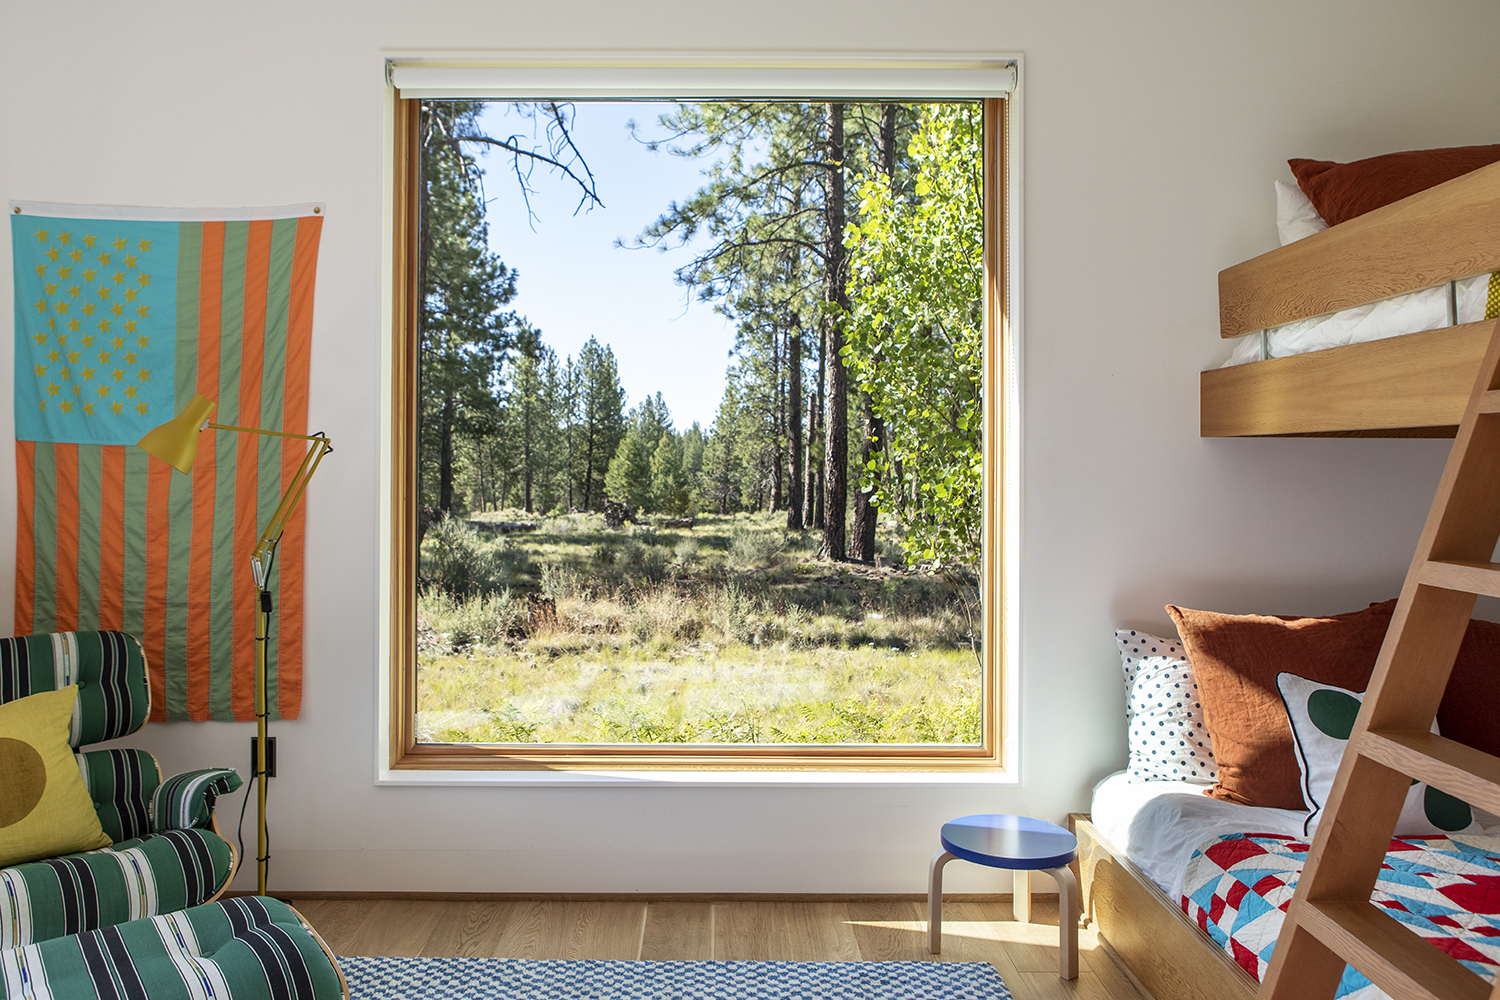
<point>167,854</point>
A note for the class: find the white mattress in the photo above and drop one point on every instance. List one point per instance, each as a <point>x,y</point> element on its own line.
<point>1158,824</point>
<point>1412,313</point>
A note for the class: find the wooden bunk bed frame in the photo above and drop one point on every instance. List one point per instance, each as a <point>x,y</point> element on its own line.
<point>1409,386</point>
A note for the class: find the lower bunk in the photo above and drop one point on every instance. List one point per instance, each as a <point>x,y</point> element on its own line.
<point>1201,924</point>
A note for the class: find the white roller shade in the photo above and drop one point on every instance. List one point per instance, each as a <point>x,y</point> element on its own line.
<point>534,76</point>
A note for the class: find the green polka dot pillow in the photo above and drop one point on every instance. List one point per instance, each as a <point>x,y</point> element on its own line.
<point>1168,738</point>
<point>1322,717</point>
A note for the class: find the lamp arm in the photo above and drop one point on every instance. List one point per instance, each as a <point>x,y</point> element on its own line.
<point>265,546</point>
<point>261,430</point>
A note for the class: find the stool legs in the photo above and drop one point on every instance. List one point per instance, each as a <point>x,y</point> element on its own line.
<point>1068,907</point>
<point>1021,895</point>
<point>935,900</point>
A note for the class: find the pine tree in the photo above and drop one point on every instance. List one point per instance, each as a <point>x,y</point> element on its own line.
<point>600,422</point>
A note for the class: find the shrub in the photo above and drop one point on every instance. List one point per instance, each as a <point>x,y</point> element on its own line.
<point>748,547</point>
<point>457,562</point>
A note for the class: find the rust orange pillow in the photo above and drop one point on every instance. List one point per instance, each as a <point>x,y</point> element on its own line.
<point>1236,659</point>
<point>1343,191</point>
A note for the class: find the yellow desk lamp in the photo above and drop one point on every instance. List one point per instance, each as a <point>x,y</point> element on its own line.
<point>176,443</point>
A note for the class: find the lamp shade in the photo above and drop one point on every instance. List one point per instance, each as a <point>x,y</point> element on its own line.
<point>176,441</point>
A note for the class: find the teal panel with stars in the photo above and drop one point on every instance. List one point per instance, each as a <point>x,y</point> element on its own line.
<point>95,327</point>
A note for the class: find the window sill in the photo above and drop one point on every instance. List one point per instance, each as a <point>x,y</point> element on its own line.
<point>692,779</point>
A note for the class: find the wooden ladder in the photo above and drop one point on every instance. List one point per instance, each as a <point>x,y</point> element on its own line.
<point>1331,920</point>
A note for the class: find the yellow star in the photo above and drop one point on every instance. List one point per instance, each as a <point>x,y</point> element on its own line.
<point>73,325</point>
<point>73,290</point>
<point>41,371</point>
<point>66,406</point>
<point>119,374</point>
<point>130,391</point>
<point>88,341</point>
<point>43,406</point>
<point>41,270</point>
<point>49,287</point>
<point>144,374</point>
<point>60,307</point>
<point>54,357</point>
<point>88,241</point>
<point>62,340</point>
<point>104,291</point>
<point>76,390</point>
<point>52,388</point>
<point>145,245</point>
<point>76,256</point>
<point>119,277</point>
<point>142,311</point>
<point>103,260</point>
<point>130,357</point>
<point>120,243</point>
<point>104,357</point>
<point>39,337</point>
<point>102,390</point>
<point>88,374</point>
<point>130,294</point>
<point>130,326</point>
<point>52,255</point>
<point>116,407</point>
<point>41,235</point>
<point>73,357</point>
<point>88,308</point>
<point>88,409</point>
<point>118,342</point>
<point>41,305</point>
<point>66,239</point>
<point>141,408</point>
<point>143,278</point>
<point>129,261</point>
<point>51,323</point>
<point>88,274</point>
<point>117,309</point>
<point>64,374</point>
<point>143,342</point>
<point>104,325</point>
<point>65,272</point>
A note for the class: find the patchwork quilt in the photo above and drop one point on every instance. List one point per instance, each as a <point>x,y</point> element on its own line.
<point>1446,890</point>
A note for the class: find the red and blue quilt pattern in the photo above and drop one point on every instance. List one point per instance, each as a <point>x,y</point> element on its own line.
<point>1447,891</point>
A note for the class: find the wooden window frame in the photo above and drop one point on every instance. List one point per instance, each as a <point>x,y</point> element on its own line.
<point>406,754</point>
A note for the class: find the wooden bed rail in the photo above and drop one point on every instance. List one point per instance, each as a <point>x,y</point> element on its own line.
<point>1445,233</point>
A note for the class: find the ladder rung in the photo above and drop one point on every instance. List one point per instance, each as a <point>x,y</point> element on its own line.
<point>1466,577</point>
<point>1390,956</point>
<point>1489,402</point>
<point>1459,770</point>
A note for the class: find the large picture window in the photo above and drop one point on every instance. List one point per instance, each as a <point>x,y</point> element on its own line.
<point>755,526</point>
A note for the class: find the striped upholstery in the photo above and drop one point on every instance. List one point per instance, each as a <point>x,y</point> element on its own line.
<point>250,948</point>
<point>120,782</point>
<point>157,873</point>
<point>186,801</point>
<point>109,668</point>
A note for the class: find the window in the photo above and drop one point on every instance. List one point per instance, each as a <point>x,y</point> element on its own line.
<point>507,739</point>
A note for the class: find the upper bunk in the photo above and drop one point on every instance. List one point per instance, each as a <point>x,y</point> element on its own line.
<point>1414,385</point>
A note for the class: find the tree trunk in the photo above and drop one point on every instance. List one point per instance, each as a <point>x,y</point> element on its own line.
<point>836,379</point>
<point>445,456</point>
<point>794,426</point>
<point>814,442</point>
<point>776,411</point>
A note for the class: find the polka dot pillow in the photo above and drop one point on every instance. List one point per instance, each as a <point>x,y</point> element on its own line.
<point>1168,738</point>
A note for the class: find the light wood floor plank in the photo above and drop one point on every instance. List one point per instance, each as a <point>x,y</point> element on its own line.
<point>792,932</point>
<point>890,931</point>
<point>337,920</point>
<point>678,932</point>
<point>471,930</point>
<point>607,930</point>
<point>397,927</point>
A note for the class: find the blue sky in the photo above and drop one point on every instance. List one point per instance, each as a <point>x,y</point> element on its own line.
<point>575,283</point>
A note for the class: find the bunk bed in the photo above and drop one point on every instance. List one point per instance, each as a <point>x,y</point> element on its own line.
<point>1415,385</point>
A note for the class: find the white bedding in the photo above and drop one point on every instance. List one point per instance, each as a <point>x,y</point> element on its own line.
<point>1415,312</point>
<point>1158,824</point>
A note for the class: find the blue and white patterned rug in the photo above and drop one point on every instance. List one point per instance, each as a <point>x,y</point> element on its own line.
<point>517,979</point>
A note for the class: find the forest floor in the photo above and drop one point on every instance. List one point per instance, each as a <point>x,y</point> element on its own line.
<point>727,632</point>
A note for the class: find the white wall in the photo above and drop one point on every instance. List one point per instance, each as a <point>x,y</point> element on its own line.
<point>1153,131</point>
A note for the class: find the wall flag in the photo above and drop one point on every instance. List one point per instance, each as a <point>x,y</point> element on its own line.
<point>121,316</point>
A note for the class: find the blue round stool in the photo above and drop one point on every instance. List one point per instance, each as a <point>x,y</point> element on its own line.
<point>1023,845</point>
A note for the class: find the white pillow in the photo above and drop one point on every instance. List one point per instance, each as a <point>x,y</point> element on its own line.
<point>1295,216</point>
<point>1168,740</point>
<point>1322,717</point>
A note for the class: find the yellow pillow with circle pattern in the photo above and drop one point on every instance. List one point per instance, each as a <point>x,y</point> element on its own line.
<point>45,809</point>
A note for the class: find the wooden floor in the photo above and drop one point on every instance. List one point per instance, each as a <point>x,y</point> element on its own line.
<point>1024,954</point>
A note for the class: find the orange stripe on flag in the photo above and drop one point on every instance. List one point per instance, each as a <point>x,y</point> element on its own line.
<point>66,458</point>
<point>205,477</point>
<point>25,541</point>
<point>246,509</point>
<point>158,546</point>
<point>294,418</point>
<point>112,537</point>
